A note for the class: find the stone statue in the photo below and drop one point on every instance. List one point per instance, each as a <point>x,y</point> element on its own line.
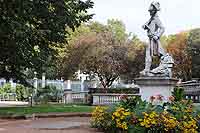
<point>164,68</point>
<point>155,30</point>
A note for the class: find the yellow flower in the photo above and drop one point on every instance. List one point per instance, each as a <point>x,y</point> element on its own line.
<point>98,115</point>
<point>189,125</point>
<point>149,119</point>
<point>119,116</point>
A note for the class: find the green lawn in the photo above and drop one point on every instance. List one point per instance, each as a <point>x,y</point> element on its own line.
<point>44,109</point>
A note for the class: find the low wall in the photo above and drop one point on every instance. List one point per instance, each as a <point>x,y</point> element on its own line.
<point>75,97</point>
<point>99,96</point>
<point>108,98</point>
<point>192,91</point>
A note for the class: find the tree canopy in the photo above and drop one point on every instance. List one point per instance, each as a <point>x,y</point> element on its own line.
<point>178,48</point>
<point>102,51</point>
<point>194,50</point>
<point>30,29</point>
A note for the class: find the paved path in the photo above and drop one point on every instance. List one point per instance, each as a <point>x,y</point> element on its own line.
<point>12,103</point>
<point>47,125</point>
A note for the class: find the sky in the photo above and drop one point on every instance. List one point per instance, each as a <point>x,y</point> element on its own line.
<point>176,15</point>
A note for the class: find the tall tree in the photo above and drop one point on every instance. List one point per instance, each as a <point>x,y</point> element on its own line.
<point>30,29</point>
<point>194,50</point>
<point>177,47</point>
<point>135,58</point>
<point>118,30</point>
<point>98,52</point>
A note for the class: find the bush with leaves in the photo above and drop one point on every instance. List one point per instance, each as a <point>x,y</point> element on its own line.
<point>48,94</point>
<point>6,88</point>
<point>22,92</point>
<point>178,93</point>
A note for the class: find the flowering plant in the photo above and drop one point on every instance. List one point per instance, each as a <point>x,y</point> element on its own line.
<point>142,117</point>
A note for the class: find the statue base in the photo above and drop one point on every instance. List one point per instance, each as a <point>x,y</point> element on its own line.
<point>152,86</point>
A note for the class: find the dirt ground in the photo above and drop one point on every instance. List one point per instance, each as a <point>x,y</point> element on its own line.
<point>34,126</point>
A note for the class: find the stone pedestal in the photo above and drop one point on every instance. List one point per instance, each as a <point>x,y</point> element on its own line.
<point>68,96</point>
<point>151,86</point>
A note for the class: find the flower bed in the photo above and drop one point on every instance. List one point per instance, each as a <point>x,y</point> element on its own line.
<point>137,116</point>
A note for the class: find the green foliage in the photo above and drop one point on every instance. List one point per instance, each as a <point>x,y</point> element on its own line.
<point>178,93</point>
<point>131,103</point>
<point>6,88</point>
<point>105,51</point>
<point>31,29</point>
<point>194,50</point>
<point>47,94</point>
<point>22,92</point>
<point>118,29</point>
<point>181,108</point>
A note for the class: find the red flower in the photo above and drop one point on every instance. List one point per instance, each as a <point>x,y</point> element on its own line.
<point>152,98</point>
<point>160,97</point>
<point>134,119</point>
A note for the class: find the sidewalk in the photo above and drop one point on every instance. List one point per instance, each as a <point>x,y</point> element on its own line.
<point>12,103</point>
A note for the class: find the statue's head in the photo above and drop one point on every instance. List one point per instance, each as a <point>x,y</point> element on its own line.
<point>154,7</point>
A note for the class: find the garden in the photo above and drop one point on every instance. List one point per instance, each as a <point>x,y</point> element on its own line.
<point>134,115</point>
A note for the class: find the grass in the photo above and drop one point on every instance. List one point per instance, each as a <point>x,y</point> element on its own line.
<point>61,108</point>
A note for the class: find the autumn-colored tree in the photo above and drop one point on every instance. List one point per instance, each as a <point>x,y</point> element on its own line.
<point>177,47</point>
<point>105,59</point>
<point>100,53</point>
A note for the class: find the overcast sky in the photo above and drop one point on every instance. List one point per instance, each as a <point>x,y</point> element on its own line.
<point>176,15</point>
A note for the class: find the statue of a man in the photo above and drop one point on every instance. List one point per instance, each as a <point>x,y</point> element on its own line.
<point>154,30</point>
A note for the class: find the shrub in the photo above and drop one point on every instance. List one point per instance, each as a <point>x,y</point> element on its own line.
<point>178,93</point>
<point>22,92</point>
<point>6,88</point>
<point>48,94</point>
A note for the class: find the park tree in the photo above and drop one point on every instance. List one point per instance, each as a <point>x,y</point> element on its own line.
<point>118,30</point>
<point>98,52</point>
<point>194,50</point>
<point>71,54</point>
<point>99,55</point>
<point>178,48</point>
<point>31,29</point>
<point>135,58</point>
<point>104,59</point>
